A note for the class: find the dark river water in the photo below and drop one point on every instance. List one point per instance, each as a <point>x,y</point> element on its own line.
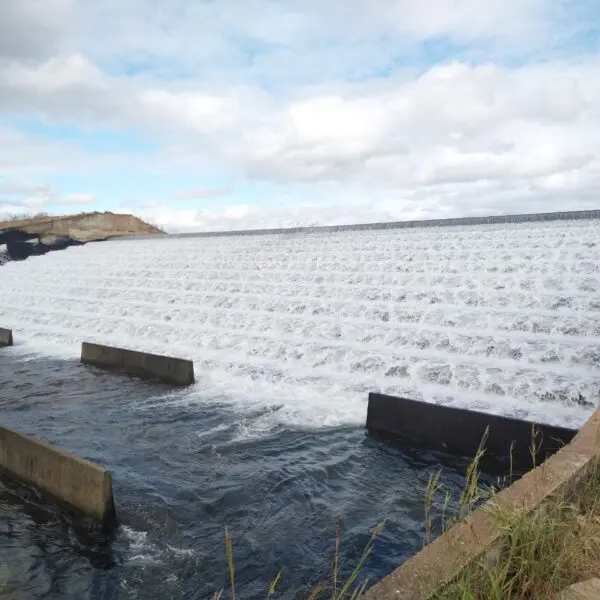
<point>182,474</point>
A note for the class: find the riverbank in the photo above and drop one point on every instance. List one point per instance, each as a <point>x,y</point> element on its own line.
<point>83,227</point>
<point>546,551</point>
<point>530,541</point>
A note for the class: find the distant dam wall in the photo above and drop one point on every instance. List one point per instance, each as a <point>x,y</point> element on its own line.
<point>489,220</point>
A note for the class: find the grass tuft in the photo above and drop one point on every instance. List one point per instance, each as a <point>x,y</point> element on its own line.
<point>544,551</point>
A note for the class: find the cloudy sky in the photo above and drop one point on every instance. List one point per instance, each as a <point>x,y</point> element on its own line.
<point>219,114</point>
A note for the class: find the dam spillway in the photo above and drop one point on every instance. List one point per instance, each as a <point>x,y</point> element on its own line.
<point>288,334</point>
<point>501,317</point>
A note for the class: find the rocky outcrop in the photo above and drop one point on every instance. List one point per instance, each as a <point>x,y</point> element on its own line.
<point>85,227</point>
<point>38,235</point>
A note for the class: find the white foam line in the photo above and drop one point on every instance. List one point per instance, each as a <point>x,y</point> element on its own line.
<point>358,288</point>
<point>370,242</point>
<point>362,258</point>
<point>287,276</point>
<point>391,327</point>
<point>359,347</point>
<point>331,297</point>
<point>360,282</point>
<point>350,267</point>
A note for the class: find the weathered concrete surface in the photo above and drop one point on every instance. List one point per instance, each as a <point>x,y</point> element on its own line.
<point>585,590</point>
<point>460,431</point>
<point>82,228</point>
<point>6,337</point>
<point>176,371</point>
<point>75,481</point>
<point>478,537</point>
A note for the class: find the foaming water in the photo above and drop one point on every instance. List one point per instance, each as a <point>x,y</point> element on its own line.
<point>502,318</point>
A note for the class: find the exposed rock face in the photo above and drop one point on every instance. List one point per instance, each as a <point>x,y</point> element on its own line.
<point>83,228</point>
<point>39,235</point>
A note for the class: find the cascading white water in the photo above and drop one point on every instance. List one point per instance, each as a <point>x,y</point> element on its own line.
<point>504,318</point>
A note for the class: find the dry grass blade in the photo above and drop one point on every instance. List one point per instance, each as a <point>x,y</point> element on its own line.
<point>273,584</point>
<point>336,558</point>
<point>230,562</point>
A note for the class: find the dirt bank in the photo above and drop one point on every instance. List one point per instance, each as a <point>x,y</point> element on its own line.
<point>85,227</point>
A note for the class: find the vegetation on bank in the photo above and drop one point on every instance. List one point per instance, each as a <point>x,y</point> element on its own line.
<point>545,551</point>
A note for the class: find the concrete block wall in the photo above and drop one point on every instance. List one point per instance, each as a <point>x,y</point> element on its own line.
<point>461,431</point>
<point>6,337</point>
<point>175,371</point>
<point>79,483</point>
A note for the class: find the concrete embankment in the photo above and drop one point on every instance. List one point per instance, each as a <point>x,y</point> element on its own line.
<point>79,483</point>
<point>461,431</point>
<point>175,371</point>
<point>480,537</point>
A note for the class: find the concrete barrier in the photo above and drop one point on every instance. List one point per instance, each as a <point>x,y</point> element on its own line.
<point>461,431</point>
<point>6,337</point>
<point>82,485</point>
<point>479,537</point>
<point>175,371</point>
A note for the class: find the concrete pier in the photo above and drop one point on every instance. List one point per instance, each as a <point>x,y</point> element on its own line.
<point>81,484</point>
<point>6,337</point>
<point>461,431</point>
<point>175,371</point>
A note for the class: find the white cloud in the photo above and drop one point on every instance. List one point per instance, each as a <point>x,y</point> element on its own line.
<point>293,93</point>
<point>25,196</point>
<point>297,39</point>
<point>348,206</point>
<point>77,199</point>
<point>34,28</point>
<point>202,193</point>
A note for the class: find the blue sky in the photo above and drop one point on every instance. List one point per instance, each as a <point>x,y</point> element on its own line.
<point>206,115</point>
